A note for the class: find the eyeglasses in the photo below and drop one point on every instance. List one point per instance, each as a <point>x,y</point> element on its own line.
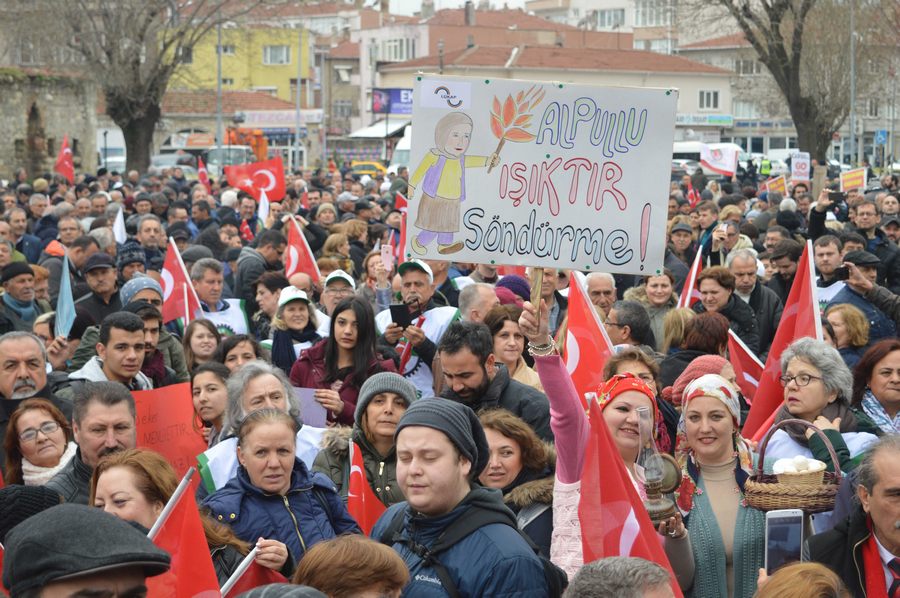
<point>339,291</point>
<point>799,379</point>
<point>46,428</point>
<point>608,323</point>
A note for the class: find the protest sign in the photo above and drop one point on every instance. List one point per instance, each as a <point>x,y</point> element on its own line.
<point>800,168</point>
<point>778,185</point>
<point>853,179</point>
<point>540,174</point>
<point>164,425</point>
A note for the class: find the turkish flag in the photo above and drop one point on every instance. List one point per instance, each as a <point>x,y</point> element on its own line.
<point>179,297</point>
<point>181,535</point>
<point>297,256</point>
<point>362,504</point>
<point>612,515</point>
<point>64,163</point>
<point>690,293</point>
<point>256,177</point>
<point>693,196</point>
<point>304,199</point>
<point>400,203</point>
<point>165,424</point>
<point>400,249</point>
<point>246,232</point>
<point>506,270</point>
<point>799,319</point>
<point>746,365</point>
<point>587,346</point>
<point>255,576</point>
<point>203,175</point>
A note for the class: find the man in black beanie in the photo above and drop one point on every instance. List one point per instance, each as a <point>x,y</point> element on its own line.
<point>441,449</point>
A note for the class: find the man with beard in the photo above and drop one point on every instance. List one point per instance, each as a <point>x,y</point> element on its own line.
<point>103,422</point>
<point>473,377</point>
<point>23,375</point>
<point>426,327</point>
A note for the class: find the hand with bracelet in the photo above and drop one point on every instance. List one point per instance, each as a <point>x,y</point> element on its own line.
<point>536,328</point>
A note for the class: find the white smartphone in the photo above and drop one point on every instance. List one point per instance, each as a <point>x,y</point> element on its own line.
<point>784,538</point>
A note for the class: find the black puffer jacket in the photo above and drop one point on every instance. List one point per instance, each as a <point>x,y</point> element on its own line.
<point>841,550</point>
<point>742,320</point>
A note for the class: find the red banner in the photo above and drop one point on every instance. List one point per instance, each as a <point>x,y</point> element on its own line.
<point>164,425</point>
<point>257,177</point>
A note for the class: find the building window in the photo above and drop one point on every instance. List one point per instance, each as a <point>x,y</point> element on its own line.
<point>745,109</point>
<point>342,109</point>
<point>747,67</point>
<point>226,49</point>
<point>276,55</point>
<point>185,55</point>
<point>652,13</point>
<point>709,100</point>
<point>398,50</point>
<point>227,81</point>
<point>872,107</point>
<point>342,74</point>
<point>662,46</point>
<point>609,19</point>
<point>272,91</point>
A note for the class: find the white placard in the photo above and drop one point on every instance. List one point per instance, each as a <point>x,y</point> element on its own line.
<point>800,166</point>
<point>580,175</point>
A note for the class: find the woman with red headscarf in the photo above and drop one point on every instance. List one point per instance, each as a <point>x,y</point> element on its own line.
<point>619,398</point>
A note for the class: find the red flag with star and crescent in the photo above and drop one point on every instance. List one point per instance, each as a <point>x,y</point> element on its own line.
<point>587,345</point>
<point>203,175</point>
<point>64,163</point>
<point>179,297</point>
<point>256,177</point>
<point>362,504</point>
<point>614,521</point>
<point>298,257</point>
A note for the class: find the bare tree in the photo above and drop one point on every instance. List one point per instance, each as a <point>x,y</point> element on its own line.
<point>804,44</point>
<point>131,49</point>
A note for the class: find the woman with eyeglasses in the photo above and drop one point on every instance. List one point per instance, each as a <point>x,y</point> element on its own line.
<point>38,443</point>
<point>817,388</point>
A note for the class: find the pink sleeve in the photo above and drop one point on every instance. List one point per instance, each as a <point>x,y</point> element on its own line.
<point>567,418</point>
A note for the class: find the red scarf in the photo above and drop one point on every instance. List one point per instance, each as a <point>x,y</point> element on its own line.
<point>873,566</point>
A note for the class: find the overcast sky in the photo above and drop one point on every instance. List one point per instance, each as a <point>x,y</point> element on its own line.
<point>408,7</point>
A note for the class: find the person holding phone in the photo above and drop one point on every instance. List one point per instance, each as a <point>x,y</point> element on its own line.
<point>414,327</point>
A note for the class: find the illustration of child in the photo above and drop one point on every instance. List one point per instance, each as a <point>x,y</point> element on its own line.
<point>443,176</point>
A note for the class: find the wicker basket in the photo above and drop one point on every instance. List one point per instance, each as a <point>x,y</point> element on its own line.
<point>767,492</point>
<point>804,478</point>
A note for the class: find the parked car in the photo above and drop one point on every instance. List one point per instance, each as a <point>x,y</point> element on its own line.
<point>361,167</point>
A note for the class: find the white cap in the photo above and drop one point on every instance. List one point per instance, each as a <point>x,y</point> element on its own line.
<point>417,265</point>
<point>340,275</point>
<point>289,294</point>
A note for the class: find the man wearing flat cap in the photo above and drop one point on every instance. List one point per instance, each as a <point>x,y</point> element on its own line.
<point>880,325</point>
<point>102,278</point>
<point>76,550</point>
<point>441,450</point>
<point>19,305</point>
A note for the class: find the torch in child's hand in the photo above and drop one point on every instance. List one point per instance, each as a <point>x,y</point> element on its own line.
<point>510,119</point>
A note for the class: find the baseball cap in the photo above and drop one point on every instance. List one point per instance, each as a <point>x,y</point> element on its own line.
<point>289,294</point>
<point>99,260</point>
<point>415,264</point>
<point>890,219</point>
<point>340,275</point>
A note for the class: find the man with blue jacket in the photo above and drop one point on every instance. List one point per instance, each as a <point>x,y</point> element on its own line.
<point>441,449</point>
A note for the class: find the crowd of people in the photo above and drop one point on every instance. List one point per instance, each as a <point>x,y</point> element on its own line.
<point>447,379</point>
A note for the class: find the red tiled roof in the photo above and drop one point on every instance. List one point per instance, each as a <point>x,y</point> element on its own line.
<point>551,57</point>
<point>502,18</point>
<point>298,9</point>
<point>344,50</point>
<point>735,40</point>
<point>203,101</point>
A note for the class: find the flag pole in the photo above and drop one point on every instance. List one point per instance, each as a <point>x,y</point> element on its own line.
<point>170,506</point>
<point>813,288</point>
<point>187,311</point>
<point>187,275</point>
<point>242,568</point>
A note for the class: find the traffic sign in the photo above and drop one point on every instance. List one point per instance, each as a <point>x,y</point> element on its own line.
<point>881,136</point>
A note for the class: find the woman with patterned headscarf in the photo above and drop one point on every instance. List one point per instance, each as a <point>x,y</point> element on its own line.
<point>619,399</point>
<point>727,536</point>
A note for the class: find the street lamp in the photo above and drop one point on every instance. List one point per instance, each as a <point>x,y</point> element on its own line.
<point>440,57</point>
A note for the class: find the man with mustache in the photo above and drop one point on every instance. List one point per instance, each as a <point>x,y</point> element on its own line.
<point>473,377</point>
<point>23,375</point>
<point>103,422</point>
